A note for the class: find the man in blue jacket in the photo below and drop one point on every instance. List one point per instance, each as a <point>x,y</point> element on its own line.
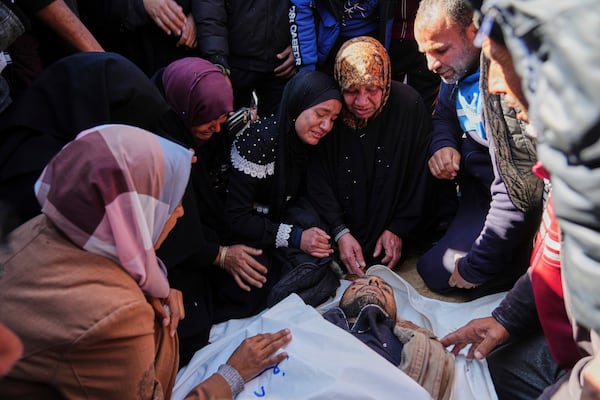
<point>319,28</point>
<point>488,243</point>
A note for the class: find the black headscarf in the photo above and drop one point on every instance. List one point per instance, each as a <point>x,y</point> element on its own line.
<point>75,93</point>
<point>305,90</point>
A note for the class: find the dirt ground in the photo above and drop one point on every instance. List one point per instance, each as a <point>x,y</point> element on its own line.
<point>408,271</point>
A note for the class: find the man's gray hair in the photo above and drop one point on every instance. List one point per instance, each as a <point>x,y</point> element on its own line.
<point>458,11</point>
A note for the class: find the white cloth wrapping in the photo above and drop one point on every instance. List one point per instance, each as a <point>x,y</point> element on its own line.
<point>472,380</point>
<point>327,363</point>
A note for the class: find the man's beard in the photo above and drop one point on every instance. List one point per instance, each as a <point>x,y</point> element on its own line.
<point>353,308</point>
<point>464,68</point>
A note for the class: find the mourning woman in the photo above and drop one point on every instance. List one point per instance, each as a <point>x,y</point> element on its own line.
<point>76,277</point>
<point>370,177</point>
<point>200,99</point>
<point>265,206</point>
<point>82,287</point>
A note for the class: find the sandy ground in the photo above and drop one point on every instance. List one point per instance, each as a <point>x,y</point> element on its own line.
<point>408,271</point>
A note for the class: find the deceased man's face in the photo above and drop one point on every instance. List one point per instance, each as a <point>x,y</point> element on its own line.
<point>368,290</point>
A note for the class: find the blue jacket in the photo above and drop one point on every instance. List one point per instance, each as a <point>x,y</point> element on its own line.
<point>315,27</point>
<point>506,227</point>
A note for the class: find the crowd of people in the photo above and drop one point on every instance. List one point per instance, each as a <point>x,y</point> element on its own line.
<point>135,216</point>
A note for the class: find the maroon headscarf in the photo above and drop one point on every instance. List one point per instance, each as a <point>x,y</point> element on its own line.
<point>197,91</point>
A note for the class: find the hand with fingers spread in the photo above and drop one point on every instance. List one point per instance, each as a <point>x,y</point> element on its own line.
<point>167,14</point>
<point>315,241</point>
<point>392,245</point>
<point>256,353</point>
<point>483,334</point>
<point>287,68</point>
<point>241,264</point>
<point>445,163</point>
<point>251,357</point>
<point>351,254</point>
<point>188,34</point>
<point>170,310</point>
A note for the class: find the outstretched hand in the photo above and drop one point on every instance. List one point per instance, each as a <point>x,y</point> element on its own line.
<point>392,245</point>
<point>256,353</point>
<point>351,254</point>
<point>167,15</point>
<point>245,269</point>
<point>483,334</point>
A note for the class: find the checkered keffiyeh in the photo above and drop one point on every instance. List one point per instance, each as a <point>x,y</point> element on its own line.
<point>111,191</point>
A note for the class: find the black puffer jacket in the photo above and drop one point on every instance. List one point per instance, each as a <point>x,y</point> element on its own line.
<point>243,34</point>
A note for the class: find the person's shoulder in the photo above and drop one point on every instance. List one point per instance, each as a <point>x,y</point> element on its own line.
<point>401,92</point>
<point>404,97</point>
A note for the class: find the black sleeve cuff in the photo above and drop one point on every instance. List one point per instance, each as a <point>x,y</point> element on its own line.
<point>296,237</point>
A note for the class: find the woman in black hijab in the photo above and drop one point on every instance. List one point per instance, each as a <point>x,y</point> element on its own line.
<point>370,178</point>
<point>75,93</point>
<point>264,206</point>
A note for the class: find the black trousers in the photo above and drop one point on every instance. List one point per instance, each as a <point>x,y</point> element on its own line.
<point>523,368</point>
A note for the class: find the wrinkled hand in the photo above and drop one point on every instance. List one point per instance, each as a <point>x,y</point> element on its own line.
<point>167,14</point>
<point>315,241</point>
<point>392,245</point>
<point>256,353</point>
<point>483,334</point>
<point>287,68</point>
<point>445,163</point>
<point>351,254</point>
<point>188,35</point>
<point>456,280</point>
<point>591,380</point>
<point>241,264</point>
<point>170,310</point>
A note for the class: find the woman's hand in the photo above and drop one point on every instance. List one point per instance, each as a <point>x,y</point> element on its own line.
<point>241,264</point>
<point>170,310</point>
<point>351,254</point>
<point>315,241</point>
<point>256,353</point>
<point>392,244</point>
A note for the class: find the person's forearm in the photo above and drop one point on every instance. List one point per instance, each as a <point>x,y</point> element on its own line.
<point>215,387</point>
<point>59,17</point>
<point>517,312</point>
<point>500,248</point>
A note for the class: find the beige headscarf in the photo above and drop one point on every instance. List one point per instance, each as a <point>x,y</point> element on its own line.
<point>362,61</point>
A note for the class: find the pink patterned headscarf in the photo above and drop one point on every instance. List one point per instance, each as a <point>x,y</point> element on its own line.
<point>111,191</point>
<point>197,90</point>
